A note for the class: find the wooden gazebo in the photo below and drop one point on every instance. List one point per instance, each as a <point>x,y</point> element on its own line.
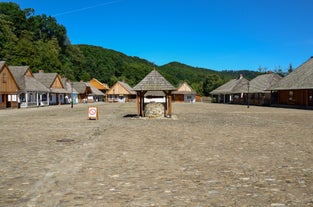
<point>154,81</point>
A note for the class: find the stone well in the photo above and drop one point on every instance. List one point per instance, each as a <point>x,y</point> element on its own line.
<point>154,110</point>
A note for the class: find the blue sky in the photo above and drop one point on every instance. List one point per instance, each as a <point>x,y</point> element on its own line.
<point>215,34</point>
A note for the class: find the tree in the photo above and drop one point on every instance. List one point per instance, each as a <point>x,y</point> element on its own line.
<point>211,82</point>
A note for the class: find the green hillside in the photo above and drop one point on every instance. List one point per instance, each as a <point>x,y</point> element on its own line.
<point>41,43</point>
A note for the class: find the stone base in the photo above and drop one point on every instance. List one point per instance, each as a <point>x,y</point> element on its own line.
<point>154,110</point>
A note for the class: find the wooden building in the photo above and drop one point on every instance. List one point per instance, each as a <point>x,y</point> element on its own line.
<point>8,88</point>
<point>104,88</point>
<point>258,89</point>
<point>53,81</point>
<point>154,81</point>
<point>231,92</point>
<point>184,93</point>
<point>31,92</point>
<point>86,93</point>
<point>121,92</point>
<point>296,89</point>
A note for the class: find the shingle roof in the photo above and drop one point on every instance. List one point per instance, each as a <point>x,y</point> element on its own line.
<point>262,83</point>
<point>80,87</point>
<point>26,83</point>
<point>301,78</point>
<point>46,78</point>
<point>154,81</point>
<point>231,87</point>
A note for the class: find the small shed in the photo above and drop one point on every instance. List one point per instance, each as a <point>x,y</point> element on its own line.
<point>154,81</point>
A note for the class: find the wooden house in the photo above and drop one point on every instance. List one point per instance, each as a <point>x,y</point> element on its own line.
<point>231,92</point>
<point>96,95</point>
<point>121,92</point>
<point>258,89</point>
<point>87,93</point>
<point>296,89</point>
<point>184,93</point>
<point>8,88</point>
<point>53,81</point>
<point>31,92</point>
<point>104,88</point>
<point>154,81</point>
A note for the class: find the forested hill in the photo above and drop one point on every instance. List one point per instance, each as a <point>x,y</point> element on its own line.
<point>41,43</point>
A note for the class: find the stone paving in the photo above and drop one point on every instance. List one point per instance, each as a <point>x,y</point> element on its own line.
<point>205,155</point>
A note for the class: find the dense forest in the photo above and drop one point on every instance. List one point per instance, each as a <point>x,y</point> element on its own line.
<point>41,43</point>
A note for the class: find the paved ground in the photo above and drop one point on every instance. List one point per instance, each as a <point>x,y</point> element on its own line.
<point>206,155</point>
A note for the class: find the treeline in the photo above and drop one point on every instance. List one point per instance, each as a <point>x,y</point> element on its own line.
<point>40,42</point>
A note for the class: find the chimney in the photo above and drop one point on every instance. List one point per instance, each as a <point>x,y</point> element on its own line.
<point>240,76</point>
<point>41,71</point>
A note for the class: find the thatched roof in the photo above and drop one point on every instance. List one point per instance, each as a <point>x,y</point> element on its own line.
<point>232,87</point>
<point>26,83</point>
<point>301,78</point>
<point>154,81</point>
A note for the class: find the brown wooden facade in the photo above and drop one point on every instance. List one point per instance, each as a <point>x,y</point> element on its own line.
<point>297,98</point>
<point>8,88</point>
<point>121,92</point>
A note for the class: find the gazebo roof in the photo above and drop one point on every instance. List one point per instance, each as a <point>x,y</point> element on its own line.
<point>154,81</point>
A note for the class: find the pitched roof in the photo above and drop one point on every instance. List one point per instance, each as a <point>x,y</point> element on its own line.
<point>26,83</point>
<point>101,86</point>
<point>80,87</point>
<point>94,90</point>
<point>262,83</point>
<point>185,88</point>
<point>127,87</point>
<point>301,78</point>
<point>154,81</point>
<point>46,78</point>
<point>231,87</point>
<point>2,63</point>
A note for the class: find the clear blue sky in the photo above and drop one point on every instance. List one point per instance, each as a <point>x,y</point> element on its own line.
<point>215,34</point>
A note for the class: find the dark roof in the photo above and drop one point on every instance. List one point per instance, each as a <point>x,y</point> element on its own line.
<point>154,81</point>
<point>232,87</point>
<point>301,78</point>
<point>26,83</point>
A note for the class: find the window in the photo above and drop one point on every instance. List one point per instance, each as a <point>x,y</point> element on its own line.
<point>4,78</point>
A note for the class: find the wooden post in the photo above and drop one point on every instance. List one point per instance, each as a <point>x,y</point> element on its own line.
<point>166,104</point>
<point>138,103</point>
<point>170,104</point>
